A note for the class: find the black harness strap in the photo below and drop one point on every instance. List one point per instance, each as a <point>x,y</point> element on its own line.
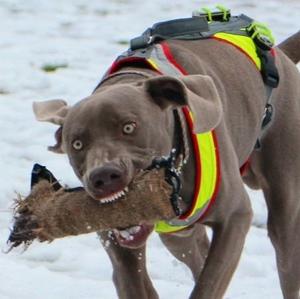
<point>271,79</point>
<point>170,29</point>
<point>193,28</point>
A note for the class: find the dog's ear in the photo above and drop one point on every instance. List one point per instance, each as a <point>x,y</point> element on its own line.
<point>57,148</point>
<point>55,112</point>
<point>196,91</point>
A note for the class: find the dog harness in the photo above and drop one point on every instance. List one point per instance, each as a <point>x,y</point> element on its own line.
<point>205,146</point>
<point>151,50</point>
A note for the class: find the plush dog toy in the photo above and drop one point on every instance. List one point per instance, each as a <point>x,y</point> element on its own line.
<point>51,211</point>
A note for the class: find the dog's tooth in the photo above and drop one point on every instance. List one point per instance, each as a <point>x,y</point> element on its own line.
<point>106,199</point>
<point>134,229</point>
<point>126,189</point>
<point>125,234</point>
<point>112,197</point>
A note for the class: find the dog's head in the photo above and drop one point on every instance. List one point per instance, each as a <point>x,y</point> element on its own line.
<point>119,129</point>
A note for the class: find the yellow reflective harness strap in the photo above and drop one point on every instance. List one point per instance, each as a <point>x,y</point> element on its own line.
<point>244,43</point>
<point>207,166</point>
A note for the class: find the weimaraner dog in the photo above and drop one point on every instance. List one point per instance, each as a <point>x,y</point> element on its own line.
<point>128,120</point>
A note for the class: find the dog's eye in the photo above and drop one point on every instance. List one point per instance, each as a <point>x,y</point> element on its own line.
<point>129,128</point>
<point>77,145</point>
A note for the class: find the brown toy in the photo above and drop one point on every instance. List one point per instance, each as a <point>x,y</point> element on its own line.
<point>47,214</point>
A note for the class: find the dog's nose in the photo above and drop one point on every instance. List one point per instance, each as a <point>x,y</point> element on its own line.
<point>107,179</point>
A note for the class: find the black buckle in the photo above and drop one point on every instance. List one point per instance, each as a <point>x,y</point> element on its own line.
<point>141,41</point>
<point>267,116</point>
<point>269,70</point>
<point>171,177</point>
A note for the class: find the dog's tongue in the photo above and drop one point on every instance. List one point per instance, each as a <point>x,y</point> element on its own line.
<point>133,237</point>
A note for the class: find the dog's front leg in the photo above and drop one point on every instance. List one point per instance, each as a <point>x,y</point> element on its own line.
<point>130,275</point>
<point>230,220</point>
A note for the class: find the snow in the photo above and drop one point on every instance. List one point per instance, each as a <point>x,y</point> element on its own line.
<point>87,36</point>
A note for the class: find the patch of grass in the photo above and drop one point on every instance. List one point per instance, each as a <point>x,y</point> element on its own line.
<point>102,12</point>
<point>3,91</point>
<point>49,67</point>
<point>123,42</point>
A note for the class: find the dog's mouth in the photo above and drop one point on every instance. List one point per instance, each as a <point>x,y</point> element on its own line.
<point>112,197</point>
<point>134,236</point>
<point>130,237</point>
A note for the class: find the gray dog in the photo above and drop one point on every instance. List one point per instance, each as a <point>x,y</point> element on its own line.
<point>129,120</point>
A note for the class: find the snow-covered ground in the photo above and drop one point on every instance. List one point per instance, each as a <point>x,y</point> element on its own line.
<point>86,36</point>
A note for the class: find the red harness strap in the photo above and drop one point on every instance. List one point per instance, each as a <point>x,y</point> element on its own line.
<point>173,61</point>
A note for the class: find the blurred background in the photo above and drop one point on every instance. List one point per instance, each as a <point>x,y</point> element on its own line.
<point>61,49</point>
